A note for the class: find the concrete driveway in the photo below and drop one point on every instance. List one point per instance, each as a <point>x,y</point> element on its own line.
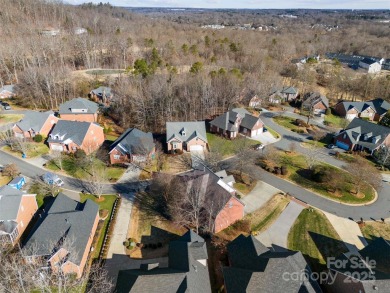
<point>265,138</point>
<point>348,231</point>
<point>259,196</point>
<point>276,235</point>
<point>197,157</point>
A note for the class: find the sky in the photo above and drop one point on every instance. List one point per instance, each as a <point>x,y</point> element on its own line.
<point>260,4</point>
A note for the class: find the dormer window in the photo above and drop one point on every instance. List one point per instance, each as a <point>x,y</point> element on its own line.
<point>183,132</point>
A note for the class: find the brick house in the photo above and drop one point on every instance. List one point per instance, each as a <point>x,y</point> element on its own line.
<point>285,94</point>
<point>34,123</point>
<point>254,268</point>
<point>133,145</point>
<point>186,136</point>
<point>224,207</point>
<point>102,95</point>
<point>62,238</point>
<point>16,211</point>
<point>79,109</point>
<point>236,121</point>
<point>316,103</point>
<point>68,136</point>
<point>363,135</point>
<point>366,270</point>
<point>372,110</point>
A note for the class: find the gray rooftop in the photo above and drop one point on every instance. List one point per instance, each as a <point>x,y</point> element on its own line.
<point>66,220</point>
<point>254,266</point>
<point>9,88</point>
<point>78,104</point>
<point>226,121</point>
<point>314,98</point>
<point>190,129</point>
<point>10,199</point>
<point>134,141</point>
<point>380,106</point>
<point>186,272</point>
<point>102,90</point>
<point>73,130</point>
<point>33,120</point>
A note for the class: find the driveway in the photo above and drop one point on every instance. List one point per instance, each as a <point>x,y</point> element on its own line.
<point>258,196</point>
<point>348,231</point>
<point>276,235</point>
<point>265,138</point>
<point>197,158</point>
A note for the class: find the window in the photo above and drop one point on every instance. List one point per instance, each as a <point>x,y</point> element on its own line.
<point>230,205</point>
<point>344,136</point>
<point>117,157</point>
<point>21,224</point>
<point>22,208</point>
<point>174,146</point>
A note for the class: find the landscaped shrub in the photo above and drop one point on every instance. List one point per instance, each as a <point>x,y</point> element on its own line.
<point>242,225</point>
<point>284,170</point>
<point>328,111</point>
<point>38,138</point>
<point>80,154</point>
<point>300,122</point>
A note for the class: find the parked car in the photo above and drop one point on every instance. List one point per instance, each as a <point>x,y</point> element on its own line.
<point>52,179</point>
<point>258,147</point>
<point>6,106</point>
<point>265,129</point>
<point>331,146</point>
<point>17,182</point>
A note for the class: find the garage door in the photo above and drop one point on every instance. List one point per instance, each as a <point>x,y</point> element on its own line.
<point>196,148</point>
<point>342,145</point>
<point>56,147</point>
<point>350,116</point>
<point>256,132</point>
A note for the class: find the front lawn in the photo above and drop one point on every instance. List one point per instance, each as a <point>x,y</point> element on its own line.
<point>73,167</point>
<point>273,132</point>
<point>289,123</point>
<point>10,118</point>
<point>371,230</point>
<point>106,204</point>
<point>4,180</point>
<point>34,149</point>
<point>315,237</point>
<point>227,147</point>
<point>335,121</point>
<point>340,186</point>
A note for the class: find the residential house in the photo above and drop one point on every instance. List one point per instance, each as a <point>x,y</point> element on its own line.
<point>102,94</point>
<point>363,135</point>
<point>7,91</point>
<point>255,102</point>
<point>133,145</point>
<point>316,103</point>
<point>219,196</point>
<point>79,109</point>
<point>16,211</point>
<point>255,268</point>
<point>61,239</point>
<point>365,271</point>
<point>285,94</point>
<point>372,110</point>
<point>68,136</point>
<point>34,123</point>
<point>371,65</point>
<point>187,270</point>
<point>236,121</point>
<point>186,136</point>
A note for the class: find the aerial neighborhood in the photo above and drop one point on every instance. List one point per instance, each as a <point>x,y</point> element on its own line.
<point>147,150</point>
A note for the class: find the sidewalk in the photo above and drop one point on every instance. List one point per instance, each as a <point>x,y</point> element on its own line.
<point>258,196</point>
<point>348,231</point>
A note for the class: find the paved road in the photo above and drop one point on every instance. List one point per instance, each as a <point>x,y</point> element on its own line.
<point>34,172</point>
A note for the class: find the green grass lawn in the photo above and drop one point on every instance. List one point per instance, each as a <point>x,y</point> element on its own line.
<point>335,121</point>
<point>225,146</point>
<point>34,150</point>
<point>288,123</point>
<point>10,118</point>
<point>111,137</point>
<point>273,132</point>
<point>372,230</point>
<point>298,173</point>
<point>106,204</point>
<point>315,237</point>
<point>72,167</point>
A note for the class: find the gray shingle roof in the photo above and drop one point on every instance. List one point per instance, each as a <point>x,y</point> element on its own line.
<point>9,88</point>
<point>186,272</point>
<point>10,199</point>
<point>368,61</point>
<point>226,121</point>
<point>314,98</point>
<point>289,90</point>
<point>100,90</point>
<point>358,128</point>
<point>134,141</point>
<point>255,267</point>
<point>34,120</point>
<point>78,103</point>
<point>73,130</point>
<point>191,130</point>
<point>66,220</point>
<point>359,264</point>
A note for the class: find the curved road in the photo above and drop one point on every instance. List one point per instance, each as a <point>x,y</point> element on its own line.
<point>377,210</point>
